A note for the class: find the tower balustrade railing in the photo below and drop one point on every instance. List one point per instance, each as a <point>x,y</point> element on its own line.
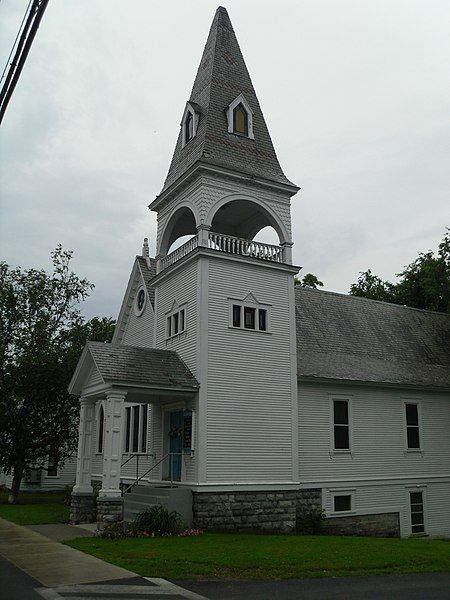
<point>243,247</point>
<point>229,244</point>
<point>179,253</point>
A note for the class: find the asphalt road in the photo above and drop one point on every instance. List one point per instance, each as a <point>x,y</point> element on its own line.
<point>416,586</point>
<point>15,584</point>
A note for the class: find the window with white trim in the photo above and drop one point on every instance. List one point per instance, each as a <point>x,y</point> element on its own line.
<point>136,427</point>
<point>342,502</point>
<point>189,123</point>
<point>245,316</point>
<point>412,425</point>
<point>240,118</point>
<point>341,424</point>
<point>176,322</point>
<point>101,429</point>
<point>417,512</point>
<point>52,465</point>
<point>140,301</point>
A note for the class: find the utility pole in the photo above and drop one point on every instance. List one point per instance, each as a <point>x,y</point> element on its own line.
<point>23,47</point>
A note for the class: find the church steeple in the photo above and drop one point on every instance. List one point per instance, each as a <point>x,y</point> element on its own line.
<point>223,91</point>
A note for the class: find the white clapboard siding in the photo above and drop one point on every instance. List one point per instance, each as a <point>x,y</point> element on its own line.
<point>179,287</point>
<point>394,497</point>
<point>250,401</point>
<point>94,377</point>
<point>138,330</point>
<point>377,431</point>
<point>65,477</point>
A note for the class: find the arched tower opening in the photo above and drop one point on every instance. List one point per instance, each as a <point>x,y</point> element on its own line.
<point>246,219</point>
<point>179,229</point>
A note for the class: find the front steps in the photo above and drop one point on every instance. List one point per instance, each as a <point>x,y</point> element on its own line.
<point>141,497</point>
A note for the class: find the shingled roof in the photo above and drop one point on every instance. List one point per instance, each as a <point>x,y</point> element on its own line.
<point>162,369</point>
<point>341,337</point>
<point>221,77</point>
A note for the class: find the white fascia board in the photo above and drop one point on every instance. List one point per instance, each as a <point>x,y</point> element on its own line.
<point>121,319</point>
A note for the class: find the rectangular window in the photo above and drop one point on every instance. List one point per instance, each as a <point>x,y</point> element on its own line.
<point>262,316</point>
<point>341,425</point>
<point>52,466</point>
<point>342,503</point>
<point>236,315</point>
<point>417,513</point>
<point>412,426</point>
<point>127,428</point>
<point>135,444</point>
<point>144,428</point>
<point>249,317</point>
<point>176,323</point>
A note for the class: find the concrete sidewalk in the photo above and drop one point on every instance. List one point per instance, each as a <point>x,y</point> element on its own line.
<point>52,563</point>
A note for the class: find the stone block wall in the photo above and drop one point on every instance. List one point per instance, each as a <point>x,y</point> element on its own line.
<point>379,525</point>
<point>82,509</point>
<point>272,511</point>
<point>109,511</point>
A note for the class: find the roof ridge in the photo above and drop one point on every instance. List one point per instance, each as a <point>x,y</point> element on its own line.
<point>383,302</point>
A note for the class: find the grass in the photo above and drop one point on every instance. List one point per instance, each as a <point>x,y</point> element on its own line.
<point>34,508</point>
<point>247,556</point>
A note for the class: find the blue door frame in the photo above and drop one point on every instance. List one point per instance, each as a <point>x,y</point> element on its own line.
<point>175,444</point>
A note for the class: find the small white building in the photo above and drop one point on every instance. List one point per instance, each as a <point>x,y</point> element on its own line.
<point>232,395</point>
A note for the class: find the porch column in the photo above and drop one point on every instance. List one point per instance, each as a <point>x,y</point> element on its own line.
<point>82,505</point>
<point>109,502</point>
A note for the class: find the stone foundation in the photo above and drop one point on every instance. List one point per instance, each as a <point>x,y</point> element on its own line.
<point>109,510</point>
<point>245,511</point>
<point>381,525</point>
<point>82,509</point>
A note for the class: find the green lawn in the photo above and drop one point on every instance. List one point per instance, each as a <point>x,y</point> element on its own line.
<point>247,556</point>
<point>34,508</point>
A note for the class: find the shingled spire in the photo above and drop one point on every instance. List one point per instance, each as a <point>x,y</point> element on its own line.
<point>221,77</point>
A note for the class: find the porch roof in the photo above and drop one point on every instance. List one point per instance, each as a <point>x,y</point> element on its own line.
<point>131,365</point>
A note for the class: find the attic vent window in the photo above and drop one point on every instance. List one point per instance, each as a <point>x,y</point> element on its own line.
<point>240,118</point>
<point>140,301</point>
<point>189,123</point>
<point>189,127</point>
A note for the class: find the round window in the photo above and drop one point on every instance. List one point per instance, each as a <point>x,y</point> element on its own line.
<point>140,302</point>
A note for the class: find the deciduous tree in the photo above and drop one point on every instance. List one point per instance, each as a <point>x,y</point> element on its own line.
<point>42,333</point>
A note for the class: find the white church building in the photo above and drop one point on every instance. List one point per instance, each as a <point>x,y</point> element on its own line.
<point>236,397</point>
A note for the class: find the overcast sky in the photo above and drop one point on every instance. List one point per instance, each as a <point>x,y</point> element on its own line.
<point>355,94</point>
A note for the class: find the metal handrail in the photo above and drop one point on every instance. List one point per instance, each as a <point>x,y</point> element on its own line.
<point>138,479</point>
<point>137,455</point>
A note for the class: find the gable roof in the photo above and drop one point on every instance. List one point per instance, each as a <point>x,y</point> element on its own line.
<point>341,337</point>
<point>144,269</point>
<point>146,367</point>
<point>221,77</point>
<point>148,271</point>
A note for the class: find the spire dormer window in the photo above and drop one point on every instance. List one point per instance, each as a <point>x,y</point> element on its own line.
<point>240,118</point>
<point>189,122</point>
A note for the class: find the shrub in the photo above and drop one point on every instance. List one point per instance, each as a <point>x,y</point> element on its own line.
<point>157,521</point>
<point>114,531</point>
<point>310,521</point>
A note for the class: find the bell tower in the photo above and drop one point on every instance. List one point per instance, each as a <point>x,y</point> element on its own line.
<point>224,301</point>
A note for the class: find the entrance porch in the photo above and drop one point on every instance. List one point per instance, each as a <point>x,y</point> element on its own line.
<point>137,409</point>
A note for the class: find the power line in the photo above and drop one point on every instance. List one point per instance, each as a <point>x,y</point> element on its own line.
<point>23,47</point>
<point>15,41</point>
